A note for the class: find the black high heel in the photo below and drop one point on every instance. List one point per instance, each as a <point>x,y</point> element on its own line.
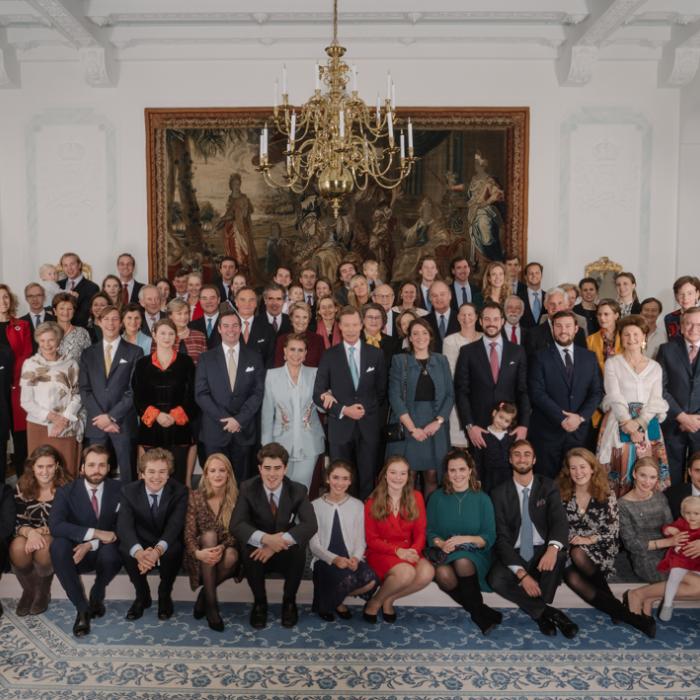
<point>199,606</point>
<point>368,617</point>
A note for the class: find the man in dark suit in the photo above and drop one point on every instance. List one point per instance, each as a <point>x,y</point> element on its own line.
<point>273,522</point>
<point>383,295</point>
<point>513,267</point>
<point>373,320</point>
<point>533,295</point>
<point>565,389</point>
<point>106,369</point>
<point>307,280</point>
<point>228,268</point>
<point>130,287</point>
<point>428,272</point>
<point>540,336</point>
<point>681,369</point>
<point>150,524</point>
<point>442,318</point>
<point>354,375</point>
<point>488,372</point>
<point>83,525</point>
<point>77,285</point>
<point>513,330</point>
<point>676,494</point>
<point>149,298</point>
<point>208,324</point>
<point>35,297</point>
<point>273,299</point>
<point>462,290</point>
<point>256,333</point>
<point>532,532</point>
<point>229,386</point>
<point>346,271</point>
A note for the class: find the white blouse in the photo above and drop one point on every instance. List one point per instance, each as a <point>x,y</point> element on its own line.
<point>624,386</point>
<point>51,386</point>
<point>351,513</point>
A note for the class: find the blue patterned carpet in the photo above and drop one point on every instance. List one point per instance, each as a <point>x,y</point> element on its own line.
<point>430,653</point>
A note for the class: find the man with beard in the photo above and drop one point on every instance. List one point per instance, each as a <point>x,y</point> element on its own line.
<point>488,372</point>
<point>83,524</point>
<point>565,390</point>
<point>531,535</point>
<point>513,330</point>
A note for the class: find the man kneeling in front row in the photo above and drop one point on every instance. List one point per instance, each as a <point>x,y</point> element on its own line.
<point>83,521</point>
<point>273,520</point>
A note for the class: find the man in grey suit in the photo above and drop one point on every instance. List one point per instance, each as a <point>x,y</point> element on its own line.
<point>273,522</point>
<point>106,369</point>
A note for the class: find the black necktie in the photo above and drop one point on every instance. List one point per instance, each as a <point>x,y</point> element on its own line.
<point>154,505</point>
<point>568,364</point>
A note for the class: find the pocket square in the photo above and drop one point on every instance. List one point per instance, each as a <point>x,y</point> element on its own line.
<point>123,361</point>
<point>250,369</point>
<point>540,503</point>
<point>261,340</point>
<point>512,362</point>
<point>116,510</point>
<point>2,367</point>
<point>370,369</point>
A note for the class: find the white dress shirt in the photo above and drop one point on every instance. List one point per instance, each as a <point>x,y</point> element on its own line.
<point>499,347</point>
<point>561,348</point>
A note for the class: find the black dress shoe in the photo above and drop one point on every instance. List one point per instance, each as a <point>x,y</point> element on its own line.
<point>81,627</point>
<point>546,627</point>
<point>343,614</point>
<point>137,607</point>
<point>368,617</point>
<point>290,614</point>
<point>258,615</point>
<point>199,610</point>
<point>328,617</point>
<point>214,621</point>
<point>568,628</point>
<point>165,607</point>
<point>96,609</point>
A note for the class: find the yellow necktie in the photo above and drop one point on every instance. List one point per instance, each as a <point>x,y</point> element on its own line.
<point>108,358</point>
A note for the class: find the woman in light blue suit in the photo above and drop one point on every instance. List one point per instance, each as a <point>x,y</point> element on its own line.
<point>289,415</point>
<point>421,394</point>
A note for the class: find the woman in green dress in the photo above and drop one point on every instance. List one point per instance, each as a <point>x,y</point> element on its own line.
<point>461,533</point>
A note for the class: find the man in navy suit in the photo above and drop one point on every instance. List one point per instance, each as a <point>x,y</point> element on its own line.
<point>487,372</point>
<point>35,296</point>
<point>442,318</point>
<point>354,375</point>
<point>256,333</point>
<point>273,298</point>
<point>106,369</point>
<point>513,329</point>
<point>208,324</point>
<point>679,361</point>
<point>83,525</point>
<point>77,285</point>
<point>565,390</point>
<point>229,386</point>
<point>149,298</point>
<point>383,295</point>
<point>462,290</point>
<point>427,274</point>
<point>149,527</point>
<point>130,287</point>
<point>533,295</point>
<point>513,267</point>
<point>540,336</point>
<point>228,268</point>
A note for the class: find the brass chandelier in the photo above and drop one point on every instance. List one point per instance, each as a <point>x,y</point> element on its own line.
<point>335,138</point>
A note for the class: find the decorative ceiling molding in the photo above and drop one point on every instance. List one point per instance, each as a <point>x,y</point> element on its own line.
<point>664,18</point>
<point>580,53</point>
<point>23,21</point>
<point>96,54</point>
<point>681,58</point>
<point>9,68</point>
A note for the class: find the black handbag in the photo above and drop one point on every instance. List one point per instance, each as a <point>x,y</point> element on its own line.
<point>435,555</point>
<point>394,430</point>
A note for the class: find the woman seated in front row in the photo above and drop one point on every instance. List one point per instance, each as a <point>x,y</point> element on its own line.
<point>461,533</point>
<point>395,524</point>
<point>338,546</point>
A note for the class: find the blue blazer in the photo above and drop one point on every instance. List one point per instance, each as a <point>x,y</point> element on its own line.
<point>109,394</point>
<point>278,406</point>
<point>72,514</point>
<point>551,393</point>
<point>213,394</point>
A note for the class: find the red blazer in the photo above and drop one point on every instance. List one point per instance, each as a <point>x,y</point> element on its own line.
<point>19,336</point>
<point>321,330</point>
<point>314,349</point>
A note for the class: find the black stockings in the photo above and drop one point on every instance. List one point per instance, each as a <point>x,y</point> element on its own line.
<point>213,575</point>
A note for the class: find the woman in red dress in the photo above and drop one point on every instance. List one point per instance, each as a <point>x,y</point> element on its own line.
<point>395,525</point>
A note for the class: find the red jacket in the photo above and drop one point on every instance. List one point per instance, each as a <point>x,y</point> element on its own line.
<point>19,336</point>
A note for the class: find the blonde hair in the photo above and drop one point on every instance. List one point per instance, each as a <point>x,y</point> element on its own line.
<point>689,501</point>
<point>230,494</point>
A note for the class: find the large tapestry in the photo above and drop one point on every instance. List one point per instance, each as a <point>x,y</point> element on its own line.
<point>467,195</point>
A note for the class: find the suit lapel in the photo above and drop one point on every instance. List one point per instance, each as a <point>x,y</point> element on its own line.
<point>483,357</point>
<point>119,355</point>
<point>84,503</point>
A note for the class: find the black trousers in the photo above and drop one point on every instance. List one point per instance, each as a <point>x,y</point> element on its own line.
<point>105,562</point>
<point>289,562</point>
<point>551,449</point>
<point>679,446</point>
<point>361,451</point>
<point>168,567</point>
<point>506,584</point>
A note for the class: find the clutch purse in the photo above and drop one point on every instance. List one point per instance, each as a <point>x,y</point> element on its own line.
<point>653,429</point>
<point>394,430</point>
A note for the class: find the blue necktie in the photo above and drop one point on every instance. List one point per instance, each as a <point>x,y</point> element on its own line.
<point>527,549</point>
<point>354,372</point>
<point>442,327</point>
<point>536,307</point>
<point>209,327</point>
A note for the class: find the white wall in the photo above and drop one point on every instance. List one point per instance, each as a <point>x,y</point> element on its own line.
<point>604,158</point>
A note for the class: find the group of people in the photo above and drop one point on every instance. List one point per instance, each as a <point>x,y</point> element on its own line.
<point>523,436</point>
